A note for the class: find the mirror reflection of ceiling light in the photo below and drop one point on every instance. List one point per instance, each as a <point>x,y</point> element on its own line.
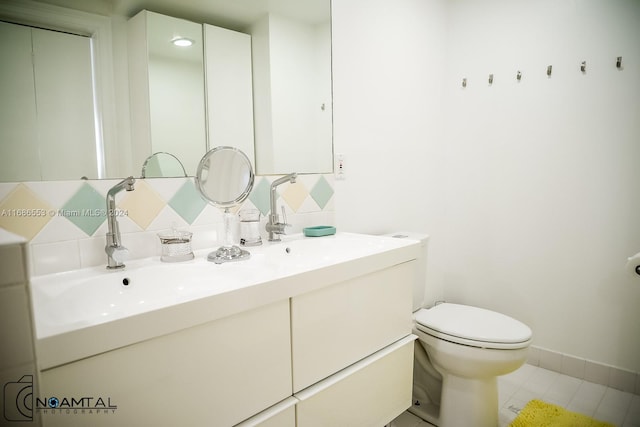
<point>182,42</point>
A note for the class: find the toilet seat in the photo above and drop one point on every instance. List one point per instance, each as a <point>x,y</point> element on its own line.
<point>473,326</point>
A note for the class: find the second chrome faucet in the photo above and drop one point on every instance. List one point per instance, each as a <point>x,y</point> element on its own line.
<point>274,227</point>
<point>116,253</point>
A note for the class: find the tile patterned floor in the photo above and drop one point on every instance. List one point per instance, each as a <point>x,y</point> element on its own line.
<point>530,382</point>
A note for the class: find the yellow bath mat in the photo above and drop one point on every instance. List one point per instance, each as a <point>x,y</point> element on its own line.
<point>542,414</point>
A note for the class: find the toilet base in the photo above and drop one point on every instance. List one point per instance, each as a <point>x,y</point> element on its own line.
<point>468,402</point>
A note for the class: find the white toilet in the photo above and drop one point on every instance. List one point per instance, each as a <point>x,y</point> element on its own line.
<point>460,352</point>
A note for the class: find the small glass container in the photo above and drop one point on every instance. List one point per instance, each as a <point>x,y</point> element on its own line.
<point>250,227</point>
<point>176,246</point>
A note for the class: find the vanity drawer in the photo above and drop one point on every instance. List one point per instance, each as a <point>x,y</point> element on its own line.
<point>336,326</point>
<point>215,374</point>
<point>282,414</point>
<point>371,392</point>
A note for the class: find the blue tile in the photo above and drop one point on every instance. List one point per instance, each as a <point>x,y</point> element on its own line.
<point>187,202</point>
<point>322,192</point>
<point>86,209</point>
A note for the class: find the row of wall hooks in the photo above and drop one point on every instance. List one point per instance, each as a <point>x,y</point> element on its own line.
<point>583,69</point>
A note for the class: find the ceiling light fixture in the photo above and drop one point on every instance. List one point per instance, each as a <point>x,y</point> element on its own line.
<point>182,42</point>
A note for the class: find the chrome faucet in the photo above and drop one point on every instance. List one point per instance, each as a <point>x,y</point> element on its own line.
<point>116,253</point>
<point>273,227</point>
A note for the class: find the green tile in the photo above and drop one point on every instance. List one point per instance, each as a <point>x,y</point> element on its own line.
<point>260,195</point>
<point>86,209</point>
<point>322,192</point>
<point>187,202</point>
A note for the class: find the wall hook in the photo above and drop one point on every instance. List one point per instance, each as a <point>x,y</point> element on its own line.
<point>549,68</point>
<point>619,62</point>
<point>464,82</point>
<point>519,75</point>
<point>583,66</point>
<point>490,79</point>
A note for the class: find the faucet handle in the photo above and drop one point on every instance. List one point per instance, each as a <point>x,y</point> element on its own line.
<point>284,217</point>
<point>120,254</point>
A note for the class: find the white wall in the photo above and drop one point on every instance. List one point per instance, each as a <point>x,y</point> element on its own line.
<point>388,68</point>
<point>529,190</point>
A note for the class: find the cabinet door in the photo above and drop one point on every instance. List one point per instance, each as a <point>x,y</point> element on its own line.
<point>371,392</point>
<point>333,327</point>
<point>215,374</point>
<point>282,414</point>
<point>229,88</point>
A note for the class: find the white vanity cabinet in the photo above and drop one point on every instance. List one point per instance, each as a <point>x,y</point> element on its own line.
<point>336,326</point>
<point>217,374</point>
<point>330,345</point>
<point>371,392</point>
<point>282,414</point>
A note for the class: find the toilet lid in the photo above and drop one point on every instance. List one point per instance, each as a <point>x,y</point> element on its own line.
<point>463,323</point>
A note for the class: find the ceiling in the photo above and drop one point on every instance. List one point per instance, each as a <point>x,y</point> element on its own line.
<point>233,14</point>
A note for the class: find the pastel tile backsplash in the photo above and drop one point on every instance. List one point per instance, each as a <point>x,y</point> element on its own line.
<point>65,221</point>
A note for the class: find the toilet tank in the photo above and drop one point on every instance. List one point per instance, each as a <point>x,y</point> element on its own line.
<point>420,281</point>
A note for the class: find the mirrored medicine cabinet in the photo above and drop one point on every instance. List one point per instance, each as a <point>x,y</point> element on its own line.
<point>287,118</point>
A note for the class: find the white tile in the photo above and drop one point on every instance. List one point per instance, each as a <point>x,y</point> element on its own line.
<point>619,400</point>
<point>622,379</point>
<point>308,205</point>
<point>15,327</point>
<point>55,257</point>
<point>57,230</point>
<point>596,372</point>
<point>209,215</point>
<point>142,245</point>
<point>533,358</point>
<point>587,398</point>
<point>406,419</point>
<point>562,390</point>
<point>610,415</point>
<point>632,417</point>
<point>551,360</point>
<point>541,380</point>
<point>506,417</point>
<point>573,366</point>
<point>6,188</point>
<point>520,375</point>
<point>55,193</point>
<point>126,225</point>
<point>506,391</point>
<point>9,238</point>
<point>167,187</point>
<point>92,251</point>
<point>167,219</point>
<point>520,399</point>
<point>582,407</point>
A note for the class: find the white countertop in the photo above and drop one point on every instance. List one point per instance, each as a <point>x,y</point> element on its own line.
<point>86,312</point>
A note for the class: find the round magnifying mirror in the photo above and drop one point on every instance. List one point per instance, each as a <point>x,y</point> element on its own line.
<point>225,178</point>
<point>162,165</point>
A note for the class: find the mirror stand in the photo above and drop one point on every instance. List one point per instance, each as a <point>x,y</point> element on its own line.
<point>225,178</point>
<point>228,251</point>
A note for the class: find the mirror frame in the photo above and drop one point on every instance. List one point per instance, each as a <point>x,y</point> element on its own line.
<point>225,204</point>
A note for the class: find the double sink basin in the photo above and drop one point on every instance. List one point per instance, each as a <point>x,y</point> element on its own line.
<point>89,311</point>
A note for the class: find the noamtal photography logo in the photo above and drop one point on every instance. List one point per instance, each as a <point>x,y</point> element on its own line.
<point>18,399</point>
